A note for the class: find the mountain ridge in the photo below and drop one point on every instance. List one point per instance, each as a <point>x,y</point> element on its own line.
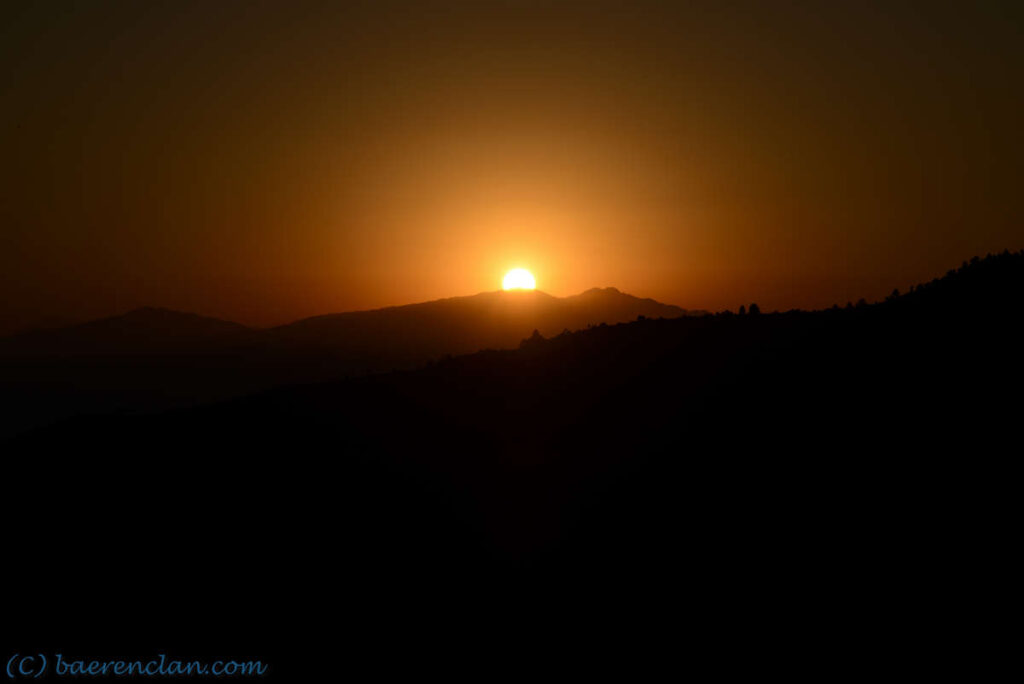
<point>153,358</point>
<point>45,387</point>
<point>148,313</point>
<point>462,324</point>
<point>495,294</point>
<point>147,329</point>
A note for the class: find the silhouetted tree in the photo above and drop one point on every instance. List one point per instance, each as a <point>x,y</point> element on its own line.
<point>533,339</point>
<point>754,309</point>
<point>743,310</point>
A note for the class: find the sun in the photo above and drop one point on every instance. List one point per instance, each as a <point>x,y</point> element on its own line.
<point>519,279</point>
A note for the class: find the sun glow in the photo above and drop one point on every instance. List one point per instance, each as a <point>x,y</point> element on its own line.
<point>519,279</point>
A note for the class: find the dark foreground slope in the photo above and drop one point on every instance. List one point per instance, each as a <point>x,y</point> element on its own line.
<point>155,359</point>
<point>759,489</point>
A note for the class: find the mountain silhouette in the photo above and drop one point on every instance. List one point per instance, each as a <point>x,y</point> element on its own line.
<point>148,330</point>
<point>772,465</point>
<point>490,320</point>
<point>154,358</point>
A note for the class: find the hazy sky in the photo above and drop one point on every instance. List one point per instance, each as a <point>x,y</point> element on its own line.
<point>266,161</point>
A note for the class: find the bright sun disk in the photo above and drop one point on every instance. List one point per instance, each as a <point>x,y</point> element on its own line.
<point>519,279</point>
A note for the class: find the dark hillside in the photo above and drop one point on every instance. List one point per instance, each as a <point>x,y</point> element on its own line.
<point>793,471</point>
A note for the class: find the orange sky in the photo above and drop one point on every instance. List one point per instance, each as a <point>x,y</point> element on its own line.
<point>267,161</point>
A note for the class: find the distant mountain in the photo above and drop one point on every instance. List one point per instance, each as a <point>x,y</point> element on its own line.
<point>152,358</point>
<point>490,320</point>
<point>148,330</point>
<point>445,326</point>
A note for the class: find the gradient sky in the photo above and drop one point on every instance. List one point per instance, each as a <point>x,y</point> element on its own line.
<point>267,161</point>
